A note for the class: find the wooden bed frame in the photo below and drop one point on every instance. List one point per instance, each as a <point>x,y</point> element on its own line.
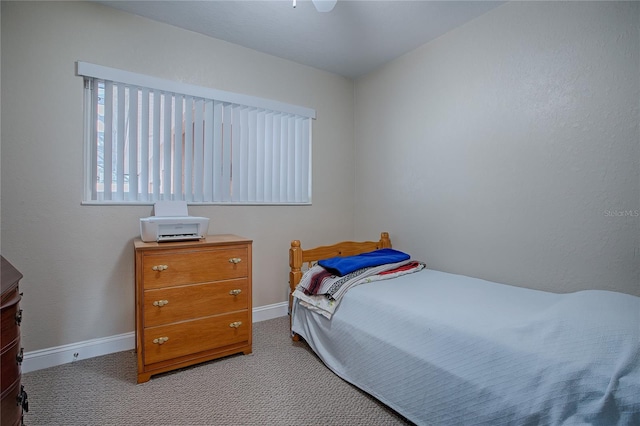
<point>299,256</point>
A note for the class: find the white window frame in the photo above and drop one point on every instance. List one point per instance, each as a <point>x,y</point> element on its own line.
<point>272,139</point>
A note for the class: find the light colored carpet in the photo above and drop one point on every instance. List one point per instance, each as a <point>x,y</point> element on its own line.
<point>281,383</point>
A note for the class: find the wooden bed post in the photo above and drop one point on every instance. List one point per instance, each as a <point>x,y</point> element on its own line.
<point>295,274</point>
<point>385,241</point>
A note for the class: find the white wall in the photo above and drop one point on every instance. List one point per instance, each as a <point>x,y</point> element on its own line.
<point>514,142</point>
<point>77,260</point>
<point>508,149</point>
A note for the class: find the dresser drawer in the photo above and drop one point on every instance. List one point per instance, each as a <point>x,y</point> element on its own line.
<point>10,361</point>
<point>173,304</point>
<point>189,267</point>
<point>195,336</point>
<point>10,410</point>
<point>10,319</point>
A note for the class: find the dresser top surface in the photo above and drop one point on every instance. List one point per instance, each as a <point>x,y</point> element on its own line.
<point>217,239</point>
<point>10,275</point>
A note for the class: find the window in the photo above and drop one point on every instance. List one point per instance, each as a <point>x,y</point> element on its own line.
<point>148,139</point>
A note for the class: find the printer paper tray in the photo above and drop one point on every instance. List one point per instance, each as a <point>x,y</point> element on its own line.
<point>185,237</point>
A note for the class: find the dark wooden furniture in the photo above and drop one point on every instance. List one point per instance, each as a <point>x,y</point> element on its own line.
<point>14,398</point>
<point>193,302</point>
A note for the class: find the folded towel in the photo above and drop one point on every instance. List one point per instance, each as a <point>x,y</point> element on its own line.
<point>344,265</point>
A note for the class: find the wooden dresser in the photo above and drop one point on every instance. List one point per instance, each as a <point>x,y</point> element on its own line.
<point>14,398</point>
<point>193,302</point>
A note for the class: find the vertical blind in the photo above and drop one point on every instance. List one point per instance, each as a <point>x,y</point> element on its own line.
<point>149,139</point>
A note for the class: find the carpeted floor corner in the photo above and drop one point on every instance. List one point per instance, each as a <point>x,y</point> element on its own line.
<point>281,383</point>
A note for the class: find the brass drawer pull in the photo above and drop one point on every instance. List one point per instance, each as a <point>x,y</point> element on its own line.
<point>160,340</point>
<point>235,324</point>
<point>160,303</point>
<point>235,292</point>
<point>159,268</point>
<point>23,399</point>
<point>235,260</point>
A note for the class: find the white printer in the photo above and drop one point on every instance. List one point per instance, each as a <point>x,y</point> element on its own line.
<point>171,222</point>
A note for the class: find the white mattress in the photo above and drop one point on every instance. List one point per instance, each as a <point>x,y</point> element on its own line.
<point>444,349</point>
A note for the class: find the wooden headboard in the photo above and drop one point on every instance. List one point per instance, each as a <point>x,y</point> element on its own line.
<point>299,256</point>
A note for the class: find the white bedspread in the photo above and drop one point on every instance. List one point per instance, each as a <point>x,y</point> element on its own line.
<point>444,349</point>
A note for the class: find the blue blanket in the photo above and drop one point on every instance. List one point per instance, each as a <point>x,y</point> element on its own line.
<point>345,265</point>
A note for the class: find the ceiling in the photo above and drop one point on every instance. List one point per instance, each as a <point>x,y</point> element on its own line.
<point>356,37</point>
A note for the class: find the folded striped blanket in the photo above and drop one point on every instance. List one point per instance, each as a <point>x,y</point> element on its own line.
<point>326,304</point>
<point>318,280</point>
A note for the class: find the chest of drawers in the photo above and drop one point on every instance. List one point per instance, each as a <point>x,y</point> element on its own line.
<point>14,398</point>
<point>193,302</point>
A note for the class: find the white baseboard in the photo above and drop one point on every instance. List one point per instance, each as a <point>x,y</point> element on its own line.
<point>44,358</point>
<point>267,312</point>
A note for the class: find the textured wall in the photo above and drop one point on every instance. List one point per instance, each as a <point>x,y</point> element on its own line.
<point>511,148</point>
<point>77,260</point>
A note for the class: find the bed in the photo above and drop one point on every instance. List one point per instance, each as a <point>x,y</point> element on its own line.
<point>446,349</point>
